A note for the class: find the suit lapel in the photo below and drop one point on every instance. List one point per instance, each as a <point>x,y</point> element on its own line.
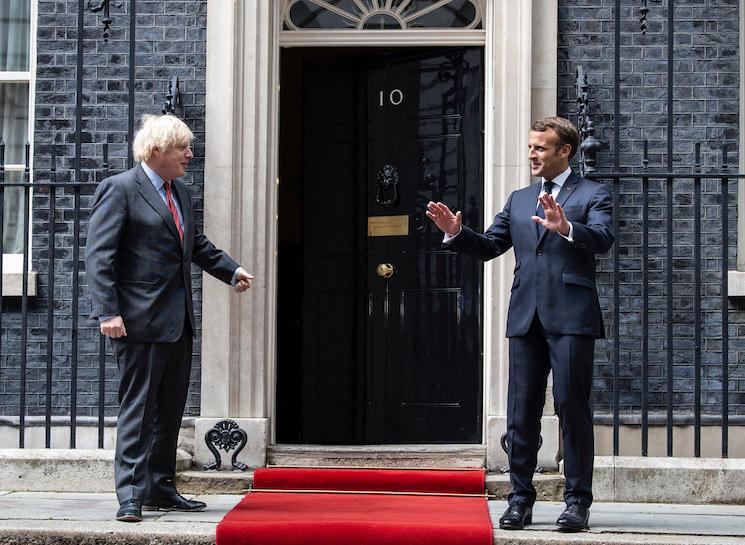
<point>536,226</point>
<point>183,201</point>
<point>567,189</point>
<point>150,195</point>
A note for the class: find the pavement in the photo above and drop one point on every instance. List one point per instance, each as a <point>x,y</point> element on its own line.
<point>59,518</point>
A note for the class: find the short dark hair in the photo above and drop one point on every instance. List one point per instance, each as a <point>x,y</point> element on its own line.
<point>568,133</point>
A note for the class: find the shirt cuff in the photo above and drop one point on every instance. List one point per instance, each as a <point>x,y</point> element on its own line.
<point>235,274</point>
<point>569,237</point>
<point>447,238</point>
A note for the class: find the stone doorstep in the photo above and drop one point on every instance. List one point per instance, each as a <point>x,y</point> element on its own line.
<point>669,480</point>
<point>412,456</point>
<point>550,486</point>
<point>63,470</point>
<point>621,479</point>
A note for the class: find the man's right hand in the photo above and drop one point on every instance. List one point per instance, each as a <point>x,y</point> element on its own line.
<point>113,328</point>
<point>445,220</point>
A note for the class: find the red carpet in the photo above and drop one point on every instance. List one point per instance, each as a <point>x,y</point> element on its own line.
<point>349,518</point>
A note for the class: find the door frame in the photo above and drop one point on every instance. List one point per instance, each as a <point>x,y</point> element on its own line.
<point>239,335</point>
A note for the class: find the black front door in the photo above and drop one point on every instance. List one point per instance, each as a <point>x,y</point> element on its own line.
<point>380,334</point>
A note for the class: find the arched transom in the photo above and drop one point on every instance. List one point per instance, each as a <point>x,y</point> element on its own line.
<point>382,14</point>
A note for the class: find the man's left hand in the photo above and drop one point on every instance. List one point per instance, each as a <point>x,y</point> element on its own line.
<point>242,281</point>
<point>555,219</point>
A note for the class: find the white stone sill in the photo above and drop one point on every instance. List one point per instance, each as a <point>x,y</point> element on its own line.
<point>13,284</point>
<point>736,283</point>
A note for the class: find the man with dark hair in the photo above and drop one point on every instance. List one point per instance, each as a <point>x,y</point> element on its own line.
<point>555,227</point>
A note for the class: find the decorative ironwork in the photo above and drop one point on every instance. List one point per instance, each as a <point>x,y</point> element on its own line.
<point>506,448</point>
<point>387,186</point>
<point>381,14</point>
<point>173,97</point>
<point>226,435</point>
<point>643,11</point>
<point>103,5</point>
<point>589,144</point>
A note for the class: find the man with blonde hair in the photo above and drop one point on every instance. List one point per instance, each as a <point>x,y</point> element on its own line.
<point>142,240</point>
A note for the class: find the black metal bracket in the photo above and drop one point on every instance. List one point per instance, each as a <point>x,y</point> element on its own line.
<point>506,448</point>
<point>103,5</point>
<point>589,144</point>
<point>643,11</point>
<point>226,435</point>
<point>173,97</point>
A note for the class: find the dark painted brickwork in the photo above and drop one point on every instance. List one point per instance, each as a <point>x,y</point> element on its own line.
<point>705,110</point>
<point>171,39</point>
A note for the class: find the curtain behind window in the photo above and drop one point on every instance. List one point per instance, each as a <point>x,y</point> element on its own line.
<point>15,30</point>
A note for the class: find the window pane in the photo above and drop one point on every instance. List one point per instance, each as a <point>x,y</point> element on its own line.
<point>14,121</point>
<point>305,14</point>
<point>381,21</point>
<point>13,215</point>
<point>458,13</point>
<point>15,32</point>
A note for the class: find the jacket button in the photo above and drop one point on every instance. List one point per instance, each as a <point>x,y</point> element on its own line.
<point>539,252</point>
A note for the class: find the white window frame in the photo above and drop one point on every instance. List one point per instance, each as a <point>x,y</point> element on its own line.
<point>13,263</point>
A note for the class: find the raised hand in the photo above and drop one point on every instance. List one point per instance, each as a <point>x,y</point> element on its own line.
<point>555,219</point>
<point>446,221</point>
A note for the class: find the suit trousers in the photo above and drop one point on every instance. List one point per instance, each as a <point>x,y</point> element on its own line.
<point>153,384</point>
<point>570,359</point>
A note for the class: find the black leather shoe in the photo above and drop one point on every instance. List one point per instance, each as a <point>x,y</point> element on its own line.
<point>130,511</point>
<point>176,502</point>
<point>575,518</point>
<point>517,516</point>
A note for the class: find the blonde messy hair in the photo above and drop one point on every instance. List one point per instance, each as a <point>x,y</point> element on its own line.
<point>158,132</point>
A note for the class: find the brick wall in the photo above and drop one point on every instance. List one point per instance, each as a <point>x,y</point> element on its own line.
<point>171,39</point>
<point>706,80</point>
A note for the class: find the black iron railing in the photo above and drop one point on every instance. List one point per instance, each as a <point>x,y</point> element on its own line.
<point>689,190</point>
<point>634,194</point>
<point>54,191</point>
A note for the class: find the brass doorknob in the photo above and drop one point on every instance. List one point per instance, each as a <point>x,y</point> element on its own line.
<point>385,270</point>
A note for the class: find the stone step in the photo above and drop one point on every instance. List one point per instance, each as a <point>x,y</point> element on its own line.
<point>549,486</point>
<point>64,470</point>
<point>213,482</point>
<point>421,456</point>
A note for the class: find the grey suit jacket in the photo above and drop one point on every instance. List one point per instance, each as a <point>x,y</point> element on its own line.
<point>553,277</point>
<point>135,264</point>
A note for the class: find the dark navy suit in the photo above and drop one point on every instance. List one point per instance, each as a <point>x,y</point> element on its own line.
<point>553,320</point>
<point>137,268</point>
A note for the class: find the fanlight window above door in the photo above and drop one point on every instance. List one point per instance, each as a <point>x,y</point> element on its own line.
<point>382,14</point>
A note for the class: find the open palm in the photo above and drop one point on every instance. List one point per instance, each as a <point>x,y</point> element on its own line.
<point>446,221</point>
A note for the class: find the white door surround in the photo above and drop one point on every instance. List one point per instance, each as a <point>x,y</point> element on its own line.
<point>240,193</point>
